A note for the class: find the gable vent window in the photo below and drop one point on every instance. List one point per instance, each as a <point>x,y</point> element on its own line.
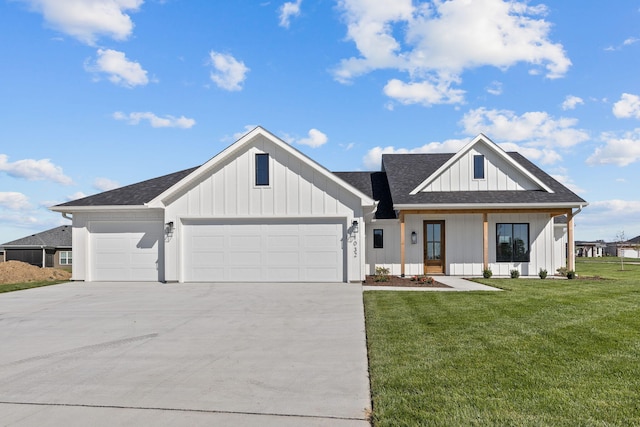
<point>478,167</point>
<point>262,169</point>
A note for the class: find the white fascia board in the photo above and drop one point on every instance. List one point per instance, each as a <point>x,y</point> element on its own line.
<point>492,206</point>
<point>492,146</point>
<point>160,200</point>
<point>120,208</point>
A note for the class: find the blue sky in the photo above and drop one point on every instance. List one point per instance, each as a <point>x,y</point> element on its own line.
<point>98,94</point>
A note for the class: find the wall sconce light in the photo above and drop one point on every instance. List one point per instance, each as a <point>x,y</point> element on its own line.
<point>354,225</point>
<point>168,228</point>
<point>414,237</point>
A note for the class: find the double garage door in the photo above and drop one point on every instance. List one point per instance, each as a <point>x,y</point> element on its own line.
<point>263,251</point>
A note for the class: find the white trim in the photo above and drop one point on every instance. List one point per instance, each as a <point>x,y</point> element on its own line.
<point>461,206</point>
<point>101,208</point>
<point>492,146</point>
<point>160,201</point>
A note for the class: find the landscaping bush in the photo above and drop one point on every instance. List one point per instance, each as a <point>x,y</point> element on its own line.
<point>382,274</point>
<point>515,274</point>
<point>487,273</point>
<point>542,273</point>
<point>571,274</point>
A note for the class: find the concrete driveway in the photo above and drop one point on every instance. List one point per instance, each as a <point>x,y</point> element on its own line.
<point>105,354</point>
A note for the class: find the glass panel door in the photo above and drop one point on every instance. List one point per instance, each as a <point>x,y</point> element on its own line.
<point>434,247</point>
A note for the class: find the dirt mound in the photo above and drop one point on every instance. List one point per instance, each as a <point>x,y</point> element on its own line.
<point>19,272</point>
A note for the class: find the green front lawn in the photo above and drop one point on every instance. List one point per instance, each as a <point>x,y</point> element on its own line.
<point>9,287</point>
<point>543,352</point>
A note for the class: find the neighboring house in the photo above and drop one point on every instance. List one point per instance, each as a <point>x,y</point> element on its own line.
<point>590,249</point>
<point>627,249</point>
<point>51,248</point>
<point>263,211</point>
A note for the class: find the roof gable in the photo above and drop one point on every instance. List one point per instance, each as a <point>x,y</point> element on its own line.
<point>239,147</point>
<point>502,172</point>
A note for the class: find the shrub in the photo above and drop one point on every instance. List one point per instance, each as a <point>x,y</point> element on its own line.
<point>515,274</point>
<point>571,274</point>
<point>562,271</point>
<point>487,273</point>
<point>382,274</point>
<point>542,273</point>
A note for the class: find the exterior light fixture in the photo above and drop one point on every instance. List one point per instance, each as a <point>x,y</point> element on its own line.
<point>414,237</point>
<point>354,225</point>
<point>168,228</point>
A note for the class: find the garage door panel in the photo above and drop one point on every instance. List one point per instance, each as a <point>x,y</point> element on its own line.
<point>125,251</point>
<point>269,251</point>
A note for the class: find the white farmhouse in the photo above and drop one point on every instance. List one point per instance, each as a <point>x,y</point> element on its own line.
<point>263,211</point>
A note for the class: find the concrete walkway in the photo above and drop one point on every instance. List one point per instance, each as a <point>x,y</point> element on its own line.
<point>456,283</point>
<point>136,354</point>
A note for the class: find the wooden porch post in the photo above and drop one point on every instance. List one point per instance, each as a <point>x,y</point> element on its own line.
<point>571,247</point>
<point>401,244</point>
<point>485,240</point>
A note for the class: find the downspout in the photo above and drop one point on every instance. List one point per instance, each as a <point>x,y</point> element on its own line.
<point>65,215</point>
<point>44,256</point>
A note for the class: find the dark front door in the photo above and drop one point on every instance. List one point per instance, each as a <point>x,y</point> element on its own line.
<point>434,247</point>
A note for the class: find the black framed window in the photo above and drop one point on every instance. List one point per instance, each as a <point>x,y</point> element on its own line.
<point>478,166</point>
<point>512,242</point>
<point>262,169</point>
<point>378,241</point>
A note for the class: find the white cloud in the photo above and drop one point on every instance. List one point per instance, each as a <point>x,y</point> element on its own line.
<point>620,215</point>
<point>155,121</point>
<point>373,157</point>
<point>13,200</point>
<point>495,88</point>
<point>533,129</point>
<point>287,11</point>
<point>618,150</point>
<point>105,184</point>
<point>435,42</point>
<point>119,69</point>
<point>424,92</point>
<point>86,20</point>
<point>571,101</point>
<point>314,140</point>
<point>228,73</point>
<point>628,106</point>
<point>34,170</point>
<point>77,195</point>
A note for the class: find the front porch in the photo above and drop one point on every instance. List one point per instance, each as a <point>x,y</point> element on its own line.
<point>467,241</point>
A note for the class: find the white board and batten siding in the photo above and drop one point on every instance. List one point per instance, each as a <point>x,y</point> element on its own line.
<point>499,175</point>
<point>463,245</point>
<point>227,195</point>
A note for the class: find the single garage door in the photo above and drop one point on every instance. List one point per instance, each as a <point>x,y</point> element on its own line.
<point>263,251</point>
<point>124,251</point>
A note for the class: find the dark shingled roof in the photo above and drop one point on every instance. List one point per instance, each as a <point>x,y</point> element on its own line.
<point>401,173</point>
<point>374,185</point>
<point>134,194</point>
<point>406,171</point>
<point>59,237</point>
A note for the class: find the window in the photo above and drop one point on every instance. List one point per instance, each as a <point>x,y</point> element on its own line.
<point>478,166</point>
<point>262,169</point>
<point>377,238</point>
<point>66,258</point>
<point>512,242</point>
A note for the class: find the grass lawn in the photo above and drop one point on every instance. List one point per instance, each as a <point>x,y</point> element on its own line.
<point>10,287</point>
<point>544,352</point>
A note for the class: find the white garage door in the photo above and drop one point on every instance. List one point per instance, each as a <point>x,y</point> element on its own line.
<point>126,251</point>
<point>246,251</point>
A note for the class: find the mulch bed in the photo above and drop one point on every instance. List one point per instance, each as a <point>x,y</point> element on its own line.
<point>400,282</point>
